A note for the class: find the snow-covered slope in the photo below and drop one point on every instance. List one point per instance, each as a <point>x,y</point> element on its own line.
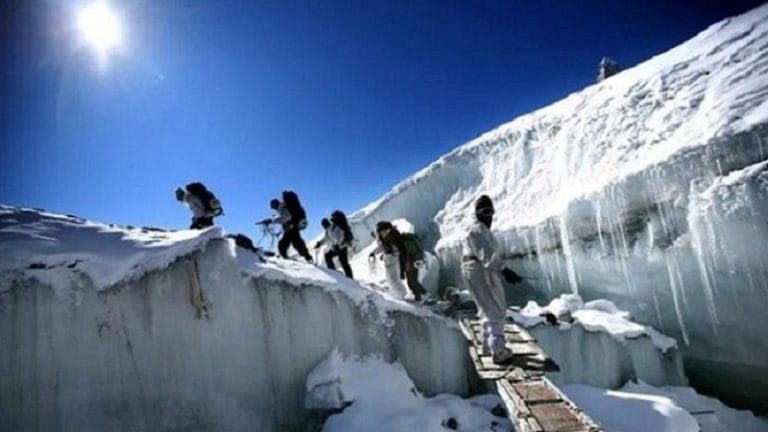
<point>98,331</point>
<point>649,188</point>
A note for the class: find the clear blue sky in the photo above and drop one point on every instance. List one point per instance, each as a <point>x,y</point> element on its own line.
<point>338,100</point>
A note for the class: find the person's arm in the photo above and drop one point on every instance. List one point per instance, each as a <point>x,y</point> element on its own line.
<point>378,249</point>
<point>283,216</point>
<point>483,247</point>
<point>324,240</point>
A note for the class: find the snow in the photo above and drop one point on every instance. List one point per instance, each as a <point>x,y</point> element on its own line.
<point>641,407</point>
<point>53,248</point>
<point>646,193</point>
<point>596,316</point>
<point>391,402</point>
<point>646,189</point>
<point>598,344</point>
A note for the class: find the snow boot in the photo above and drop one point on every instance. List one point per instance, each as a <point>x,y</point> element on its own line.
<point>504,356</point>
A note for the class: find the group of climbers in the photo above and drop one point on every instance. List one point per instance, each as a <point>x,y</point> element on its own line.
<point>289,213</point>
<point>482,265</point>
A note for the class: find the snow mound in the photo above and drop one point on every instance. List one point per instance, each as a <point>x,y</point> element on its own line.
<point>54,248</point>
<point>597,344</point>
<point>641,407</point>
<point>390,401</point>
<point>595,316</point>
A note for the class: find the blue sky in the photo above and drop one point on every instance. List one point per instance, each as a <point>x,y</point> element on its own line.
<point>338,100</point>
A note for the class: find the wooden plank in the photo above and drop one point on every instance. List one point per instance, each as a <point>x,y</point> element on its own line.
<point>538,391</point>
<point>519,413</point>
<point>524,349</point>
<point>556,417</point>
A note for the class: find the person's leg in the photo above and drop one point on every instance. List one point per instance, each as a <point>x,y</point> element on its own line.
<point>193,225</point>
<point>392,274</point>
<point>412,276</point>
<point>282,245</point>
<point>344,260</point>
<point>491,313</point>
<point>329,259</point>
<point>299,245</point>
<point>205,222</point>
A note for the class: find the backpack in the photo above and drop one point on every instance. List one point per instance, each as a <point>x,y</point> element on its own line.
<point>209,200</point>
<point>412,245</point>
<point>339,219</point>
<point>298,215</point>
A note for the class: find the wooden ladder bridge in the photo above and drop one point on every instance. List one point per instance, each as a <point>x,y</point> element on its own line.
<point>533,402</point>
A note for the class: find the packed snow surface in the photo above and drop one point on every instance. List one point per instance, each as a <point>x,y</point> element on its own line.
<point>649,189</point>
<point>56,249</point>
<point>380,396</point>
<point>639,407</point>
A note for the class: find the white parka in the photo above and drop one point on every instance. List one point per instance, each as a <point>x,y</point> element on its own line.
<point>196,205</point>
<point>333,237</point>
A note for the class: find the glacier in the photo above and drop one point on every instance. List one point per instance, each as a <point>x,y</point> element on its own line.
<point>99,331</point>
<point>649,189</point>
<point>102,330</point>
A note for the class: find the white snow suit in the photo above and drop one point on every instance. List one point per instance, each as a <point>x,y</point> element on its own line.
<point>392,271</point>
<point>283,216</point>
<point>201,217</point>
<point>480,269</point>
<point>333,237</point>
<point>197,207</point>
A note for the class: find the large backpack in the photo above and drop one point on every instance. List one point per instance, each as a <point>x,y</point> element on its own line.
<point>298,215</point>
<point>339,219</point>
<point>412,245</point>
<point>209,200</point>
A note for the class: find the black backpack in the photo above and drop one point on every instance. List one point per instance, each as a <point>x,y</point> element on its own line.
<point>412,245</point>
<point>209,200</point>
<point>339,219</point>
<point>291,201</point>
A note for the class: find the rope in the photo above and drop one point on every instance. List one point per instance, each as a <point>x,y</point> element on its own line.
<point>195,291</point>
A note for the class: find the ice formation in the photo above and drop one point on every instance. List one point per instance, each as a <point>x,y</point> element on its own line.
<point>649,189</point>
<point>599,345</point>
<point>98,331</point>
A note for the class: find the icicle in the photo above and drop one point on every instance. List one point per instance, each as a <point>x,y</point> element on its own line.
<point>674,274</point>
<point>698,244</point>
<point>565,241</point>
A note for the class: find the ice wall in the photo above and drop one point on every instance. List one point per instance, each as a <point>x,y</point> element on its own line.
<point>647,189</point>
<point>134,357</point>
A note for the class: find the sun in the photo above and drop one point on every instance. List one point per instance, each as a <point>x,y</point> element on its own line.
<point>100,28</point>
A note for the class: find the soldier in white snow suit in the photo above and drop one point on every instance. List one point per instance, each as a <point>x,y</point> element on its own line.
<point>291,230</point>
<point>202,217</point>
<point>480,268</point>
<point>334,240</point>
<point>391,258</point>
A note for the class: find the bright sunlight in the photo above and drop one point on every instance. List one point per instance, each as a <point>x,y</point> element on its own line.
<point>100,28</point>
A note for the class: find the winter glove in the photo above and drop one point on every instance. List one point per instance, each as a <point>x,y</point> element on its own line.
<point>510,276</point>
